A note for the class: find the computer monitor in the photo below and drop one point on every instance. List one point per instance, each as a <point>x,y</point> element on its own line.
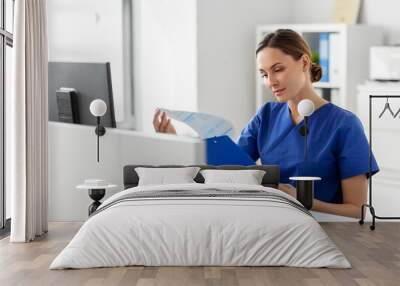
<point>73,86</point>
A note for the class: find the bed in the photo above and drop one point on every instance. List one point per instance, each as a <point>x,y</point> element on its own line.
<point>201,224</point>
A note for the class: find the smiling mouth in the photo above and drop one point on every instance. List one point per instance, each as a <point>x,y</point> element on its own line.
<point>279,91</point>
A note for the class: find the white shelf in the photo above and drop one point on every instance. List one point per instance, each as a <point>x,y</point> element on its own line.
<point>316,84</point>
<point>326,85</point>
<point>351,59</point>
<point>305,28</point>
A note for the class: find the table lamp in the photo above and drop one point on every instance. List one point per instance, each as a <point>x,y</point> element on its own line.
<point>305,184</point>
<point>98,108</point>
<point>305,109</point>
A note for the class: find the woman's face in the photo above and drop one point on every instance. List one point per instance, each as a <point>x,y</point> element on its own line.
<point>282,74</point>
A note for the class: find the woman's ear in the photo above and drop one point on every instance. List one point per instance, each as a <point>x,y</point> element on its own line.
<point>306,62</point>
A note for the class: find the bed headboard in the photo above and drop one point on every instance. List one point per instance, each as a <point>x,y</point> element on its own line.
<point>270,179</point>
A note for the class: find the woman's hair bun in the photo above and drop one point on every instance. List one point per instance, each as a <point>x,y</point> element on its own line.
<point>316,72</point>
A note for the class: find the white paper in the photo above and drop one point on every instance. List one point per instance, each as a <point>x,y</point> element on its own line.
<point>206,125</point>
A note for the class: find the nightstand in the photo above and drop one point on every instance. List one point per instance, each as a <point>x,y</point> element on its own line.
<point>97,190</point>
<point>305,190</point>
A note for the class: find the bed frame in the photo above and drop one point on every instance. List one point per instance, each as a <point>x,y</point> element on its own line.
<point>270,179</point>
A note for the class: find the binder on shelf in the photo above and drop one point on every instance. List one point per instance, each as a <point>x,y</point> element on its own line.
<point>221,150</point>
<point>324,56</point>
<point>334,58</point>
<point>67,105</point>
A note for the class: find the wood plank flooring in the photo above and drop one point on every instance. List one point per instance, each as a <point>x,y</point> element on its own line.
<point>374,255</point>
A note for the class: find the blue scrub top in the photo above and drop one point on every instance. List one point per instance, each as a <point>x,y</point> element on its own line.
<point>337,146</point>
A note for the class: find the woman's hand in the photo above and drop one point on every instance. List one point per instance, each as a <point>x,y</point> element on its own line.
<point>162,123</point>
<point>288,189</point>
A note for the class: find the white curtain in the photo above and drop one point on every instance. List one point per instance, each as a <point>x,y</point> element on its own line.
<point>26,122</point>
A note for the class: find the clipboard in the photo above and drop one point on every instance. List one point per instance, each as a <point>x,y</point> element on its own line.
<point>221,150</point>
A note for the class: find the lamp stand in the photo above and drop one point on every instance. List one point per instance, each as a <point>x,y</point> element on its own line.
<point>305,185</point>
<point>305,137</point>
<point>100,131</point>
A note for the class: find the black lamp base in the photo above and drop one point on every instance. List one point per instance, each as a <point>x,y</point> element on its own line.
<point>100,130</point>
<point>96,195</point>
<point>305,193</point>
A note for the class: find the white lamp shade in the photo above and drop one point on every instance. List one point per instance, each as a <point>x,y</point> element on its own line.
<point>305,107</point>
<point>98,107</point>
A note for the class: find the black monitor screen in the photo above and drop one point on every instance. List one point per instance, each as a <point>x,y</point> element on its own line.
<point>73,86</point>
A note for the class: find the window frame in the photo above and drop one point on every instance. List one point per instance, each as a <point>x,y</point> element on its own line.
<point>6,39</point>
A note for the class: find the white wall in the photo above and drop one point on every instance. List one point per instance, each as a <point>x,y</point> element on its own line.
<point>164,57</point>
<point>198,55</point>
<point>226,54</point>
<point>89,31</point>
<point>383,13</point>
<point>386,14</point>
<point>72,159</point>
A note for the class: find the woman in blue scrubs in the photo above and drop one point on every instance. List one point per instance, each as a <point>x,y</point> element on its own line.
<point>337,147</point>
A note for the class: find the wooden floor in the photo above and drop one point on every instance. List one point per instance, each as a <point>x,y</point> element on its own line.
<point>374,255</point>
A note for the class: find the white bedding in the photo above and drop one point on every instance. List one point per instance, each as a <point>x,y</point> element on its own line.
<point>200,231</point>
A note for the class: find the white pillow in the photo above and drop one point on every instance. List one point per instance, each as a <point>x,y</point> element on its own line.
<point>249,177</point>
<point>162,176</point>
